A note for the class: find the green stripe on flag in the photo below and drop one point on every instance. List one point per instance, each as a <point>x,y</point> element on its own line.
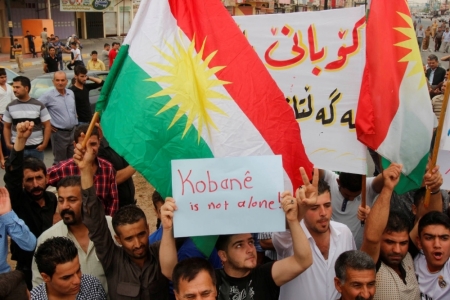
<point>143,138</point>
<point>412,181</point>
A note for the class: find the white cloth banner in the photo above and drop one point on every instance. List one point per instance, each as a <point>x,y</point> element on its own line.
<point>317,59</point>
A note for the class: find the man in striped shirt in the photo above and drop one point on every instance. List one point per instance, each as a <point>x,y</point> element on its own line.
<point>24,108</point>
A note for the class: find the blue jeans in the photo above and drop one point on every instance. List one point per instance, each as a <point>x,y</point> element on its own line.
<point>34,153</point>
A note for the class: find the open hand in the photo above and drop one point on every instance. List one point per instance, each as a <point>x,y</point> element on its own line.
<point>5,201</point>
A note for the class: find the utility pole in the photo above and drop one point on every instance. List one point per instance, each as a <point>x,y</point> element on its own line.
<point>10,27</point>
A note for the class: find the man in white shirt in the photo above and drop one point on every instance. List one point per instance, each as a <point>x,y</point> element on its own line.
<point>72,227</point>
<point>327,240</point>
<point>345,190</point>
<point>77,59</point>
<point>6,96</point>
<point>446,39</point>
<point>432,264</point>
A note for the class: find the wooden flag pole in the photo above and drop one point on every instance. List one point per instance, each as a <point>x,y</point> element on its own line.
<point>89,131</point>
<point>363,195</point>
<point>437,139</point>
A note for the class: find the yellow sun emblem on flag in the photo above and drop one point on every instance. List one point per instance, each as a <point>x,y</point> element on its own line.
<point>411,44</point>
<point>191,85</point>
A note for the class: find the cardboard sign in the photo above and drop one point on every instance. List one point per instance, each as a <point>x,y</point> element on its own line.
<point>227,195</point>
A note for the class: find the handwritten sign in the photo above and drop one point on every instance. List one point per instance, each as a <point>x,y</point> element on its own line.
<point>444,166</point>
<point>317,60</point>
<point>227,195</point>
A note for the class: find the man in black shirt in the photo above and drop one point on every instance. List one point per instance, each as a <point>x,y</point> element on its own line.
<point>30,39</point>
<point>26,182</point>
<point>51,61</point>
<point>81,91</point>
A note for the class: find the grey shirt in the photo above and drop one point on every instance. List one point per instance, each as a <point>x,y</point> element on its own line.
<point>126,280</point>
<point>105,57</point>
<point>61,108</point>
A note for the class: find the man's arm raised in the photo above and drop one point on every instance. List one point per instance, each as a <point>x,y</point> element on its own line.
<point>287,269</point>
<point>167,250</point>
<point>378,217</point>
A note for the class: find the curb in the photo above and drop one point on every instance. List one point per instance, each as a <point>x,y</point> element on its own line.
<point>12,66</point>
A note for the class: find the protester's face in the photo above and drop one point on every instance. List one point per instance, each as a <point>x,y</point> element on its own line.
<point>394,247</point>
<point>52,51</point>
<point>107,48</point>
<point>34,183</point>
<point>3,79</point>
<point>134,238</point>
<point>358,285</point>
<point>65,281</point>
<point>60,81</point>
<point>432,63</point>
<point>434,240</point>
<point>116,46</point>
<point>199,288</point>
<point>81,78</point>
<point>241,252</point>
<point>20,91</point>
<point>317,218</point>
<point>69,204</point>
<point>94,57</point>
<point>94,142</point>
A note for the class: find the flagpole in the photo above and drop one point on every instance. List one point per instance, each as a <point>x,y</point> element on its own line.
<point>90,129</point>
<point>363,195</point>
<point>437,139</point>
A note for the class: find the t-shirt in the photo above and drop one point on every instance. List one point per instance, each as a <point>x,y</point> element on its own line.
<point>30,39</point>
<point>52,63</point>
<point>105,57</point>
<point>82,103</point>
<point>348,216</point>
<point>435,286</point>
<point>112,56</point>
<point>6,96</point>
<point>32,110</point>
<point>258,285</point>
<point>18,46</point>
<point>76,52</point>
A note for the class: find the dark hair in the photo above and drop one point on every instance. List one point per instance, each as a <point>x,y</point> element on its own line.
<point>56,36</point>
<point>105,45</point>
<point>69,181</point>
<point>128,214</point>
<point>353,259</point>
<point>25,81</point>
<point>433,57</point>
<point>15,40</point>
<point>398,221</point>
<point>113,43</point>
<point>156,197</point>
<point>2,72</point>
<point>45,28</point>
<point>83,129</point>
<point>351,182</point>
<point>189,268</point>
<point>323,187</point>
<point>13,286</point>
<point>418,196</point>
<point>94,52</point>
<point>223,241</point>
<point>54,251</point>
<point>73,43</point>
<point>80,70</point>
<point>50,48</point>
<point>34,164</point>
<point>434,218</point>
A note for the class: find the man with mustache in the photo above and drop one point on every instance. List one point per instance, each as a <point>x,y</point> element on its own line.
<point>72,227</point>
<point>26,181</point>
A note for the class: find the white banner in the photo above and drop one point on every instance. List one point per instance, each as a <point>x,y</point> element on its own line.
<point>87,5</point>
<point>317,59</point>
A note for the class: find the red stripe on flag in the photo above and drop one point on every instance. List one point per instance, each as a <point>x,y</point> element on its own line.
<point>252,88</point>
<point>383,74</point>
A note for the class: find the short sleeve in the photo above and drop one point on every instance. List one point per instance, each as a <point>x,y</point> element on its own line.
<point>45,116</point>
<point>7,116</point>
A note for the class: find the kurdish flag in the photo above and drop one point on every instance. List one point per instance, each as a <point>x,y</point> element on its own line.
<point>394,110</point>
<point>187,84</point>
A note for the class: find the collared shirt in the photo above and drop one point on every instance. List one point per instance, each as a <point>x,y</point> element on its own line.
<point>37,218</point>
<point>11,225</point>
<point>126,280</point>
<point>6,97</point>
<point>30,110</point>
<point>446,36</point>
<point>317,282</point>
<point>95,65</point>
<point>346,211</point>
<point>435,285</point>
<point>90,289</point>
<point>391,286</point>
<point>89,262</point>
<point>61,108</point>
<point>52,63</point>
<point>104,180</point>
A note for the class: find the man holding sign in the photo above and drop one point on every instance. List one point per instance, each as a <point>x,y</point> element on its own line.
<point>241,276</point>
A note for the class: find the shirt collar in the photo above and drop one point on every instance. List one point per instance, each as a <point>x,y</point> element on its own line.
<point>333,230</point>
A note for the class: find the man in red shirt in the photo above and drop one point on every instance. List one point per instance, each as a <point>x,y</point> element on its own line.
<point>113,53</point>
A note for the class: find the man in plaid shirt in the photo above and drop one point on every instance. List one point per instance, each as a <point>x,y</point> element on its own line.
<point>105,175</point>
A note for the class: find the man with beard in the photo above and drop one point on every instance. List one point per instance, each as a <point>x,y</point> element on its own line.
<point>72,227</point>
<point>388,234</point>
<point>26,182</point>
<point>327,240</point>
